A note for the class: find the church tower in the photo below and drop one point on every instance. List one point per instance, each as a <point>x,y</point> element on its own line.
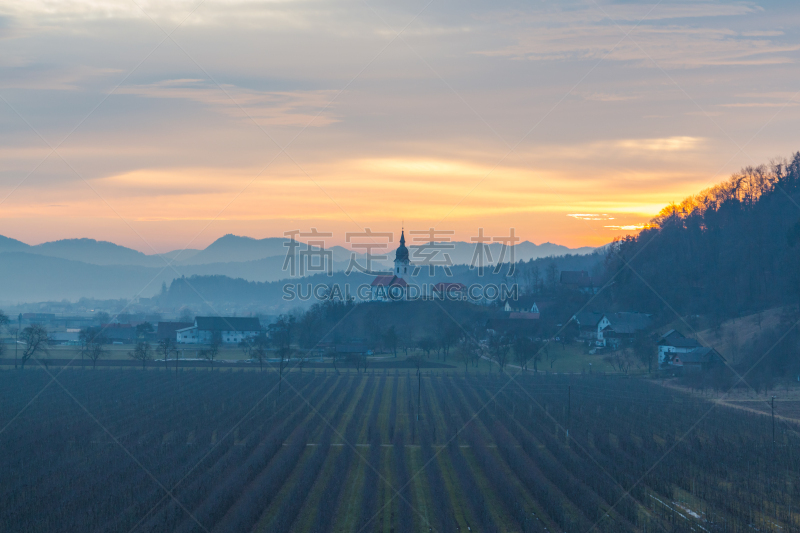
<point>401,261</point>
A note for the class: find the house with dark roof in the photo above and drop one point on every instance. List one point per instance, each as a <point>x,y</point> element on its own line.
<point>231,329</point>
<point>590,324</point>
<point>622,327</point>
<point>673,342</point>
<point>698,359</point>
<point>610,329</point>
<point>117,333</point>
<point>166,330</point>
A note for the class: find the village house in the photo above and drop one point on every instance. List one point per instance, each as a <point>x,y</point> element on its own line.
<point>515,317</point>
<point>231,330</point>
<point>622,327</point>
<point>590,325</point>
<point>610,329</point>
<point>673,342</point>
<point>696,360</point>
<point>168,330</point>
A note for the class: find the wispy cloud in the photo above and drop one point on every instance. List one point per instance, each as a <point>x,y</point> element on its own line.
<point>285,108</point>
<point>591,216</point>
<point>666,144</point>
<point>658,36</point>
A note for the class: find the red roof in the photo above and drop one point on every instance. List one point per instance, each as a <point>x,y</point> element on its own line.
<point>389,281</point>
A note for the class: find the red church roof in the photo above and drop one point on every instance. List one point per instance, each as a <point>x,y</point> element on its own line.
<point>389,281</point>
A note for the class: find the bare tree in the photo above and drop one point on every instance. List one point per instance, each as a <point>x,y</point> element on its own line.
<point>14,331</point>
<point>258,348</point>
<point>644,349</point>
<point>499,349</point>
<point>166,346</point>
<point>390,339</point>
<point>92,342</point>
<point>524,349</point>
<point>281,334</point>
<point>35,338</point>
<point>466,350</point>
<point>142,351</point>
<point>3,323</point>
<point>210,354</point>
<point>426,344</point>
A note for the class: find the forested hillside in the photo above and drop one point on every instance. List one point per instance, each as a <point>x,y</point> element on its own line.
<point>731,250</point>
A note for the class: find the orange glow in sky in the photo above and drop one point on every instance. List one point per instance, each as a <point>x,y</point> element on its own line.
<point>261,118</point>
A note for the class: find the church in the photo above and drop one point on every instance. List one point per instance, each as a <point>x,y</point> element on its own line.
<point>393,287</point>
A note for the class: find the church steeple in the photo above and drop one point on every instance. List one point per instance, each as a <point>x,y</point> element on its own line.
<point>401,260</point>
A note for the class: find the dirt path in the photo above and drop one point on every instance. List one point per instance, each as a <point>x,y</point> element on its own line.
<point>734,401</point>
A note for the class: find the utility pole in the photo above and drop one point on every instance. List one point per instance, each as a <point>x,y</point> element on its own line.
<point>419,391</point>
<point>569,409</point>
<point>16,339</point>
<point>773,422</point>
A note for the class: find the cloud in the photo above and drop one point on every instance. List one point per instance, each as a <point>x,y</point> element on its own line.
<point>602,97</point>
<point>630,227</point>
<point>285,108</point>
<point>667,144</point>
<point>37,76</point>
<point>655,40</point>
<point>591,216</point>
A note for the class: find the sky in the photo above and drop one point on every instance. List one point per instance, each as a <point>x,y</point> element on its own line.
<point>163,126</point>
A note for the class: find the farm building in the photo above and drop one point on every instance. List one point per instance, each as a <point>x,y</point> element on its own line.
<point>590,324</point>
<point>699,359</point>
<point>610,329</point>
<point>167,330</point>
<point>622,327</point>
<point>231,329</point>
<point>673,342</point>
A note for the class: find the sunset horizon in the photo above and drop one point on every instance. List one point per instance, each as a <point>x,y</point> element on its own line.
<point>190,121</point>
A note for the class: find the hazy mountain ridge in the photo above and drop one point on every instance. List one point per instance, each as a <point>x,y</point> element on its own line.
<point>237,249</point>
<point>74,268</point>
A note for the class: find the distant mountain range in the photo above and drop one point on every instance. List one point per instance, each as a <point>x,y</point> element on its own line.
<point>74,268</point>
